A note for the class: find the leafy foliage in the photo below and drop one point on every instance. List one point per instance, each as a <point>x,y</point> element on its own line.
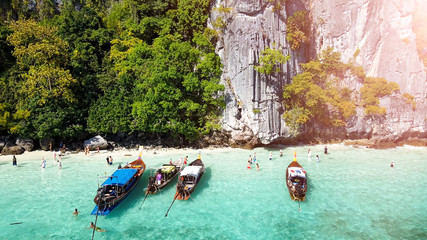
<point>298,29</point>
<point>372,90</point>
<point>270,59</point>
<point>318,94</point>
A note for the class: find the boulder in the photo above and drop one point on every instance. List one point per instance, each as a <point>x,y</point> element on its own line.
<point>25,143</point>
<point>11,149</point>
<point>95,142</point>
<point>2,143</point>
<point>44,143</point>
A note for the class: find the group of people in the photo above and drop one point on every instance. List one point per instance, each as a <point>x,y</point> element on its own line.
<point>109,160</point>
<point>253,160</point>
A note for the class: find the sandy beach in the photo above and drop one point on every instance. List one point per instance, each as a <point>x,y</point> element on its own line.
<point>120,154</point>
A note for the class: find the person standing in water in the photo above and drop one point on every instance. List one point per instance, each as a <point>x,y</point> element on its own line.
<point>43,163</point>
<point>14,160</point>
<point>76,213</point>
<point>281,153</point>
<point>59,164</point>
<point>271,156</point>
<point>392,164</point>
<point>249,164</point>
<point>185,159</point>
<point>317,158</point>
<point>257,167</point>
<point>111,160</point>
<point>326,149</point>
<point>309,153</point>
<point>254,159</point>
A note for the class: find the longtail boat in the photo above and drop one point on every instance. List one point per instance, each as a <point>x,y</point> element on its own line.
<point>189,178</point>
<point>117,187</point>
<point>164,175</point>
<point>296,181</point>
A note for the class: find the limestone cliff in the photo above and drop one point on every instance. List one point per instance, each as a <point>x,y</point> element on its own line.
<point>381,30</point>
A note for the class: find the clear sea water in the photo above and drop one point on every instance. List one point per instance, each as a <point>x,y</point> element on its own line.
<point>353,194</point>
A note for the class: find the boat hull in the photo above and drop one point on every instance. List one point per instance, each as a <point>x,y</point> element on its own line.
<point>104,207</point>
<point>296,192</point>
<point>183,192</point>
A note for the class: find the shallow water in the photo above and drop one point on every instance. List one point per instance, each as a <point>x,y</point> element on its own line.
<point>353,193</point>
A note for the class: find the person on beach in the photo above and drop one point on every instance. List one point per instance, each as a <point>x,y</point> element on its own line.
<point>257,167</point>
<point>98,229</point>
<point>159,178</point>
<point>271,156</point>
<point>317,158</point>
<point>249,164</point>
<point>309,153</point>
<point>281,153</point>
<point>14,160</point>
<point>108,161</point>
<point>120,166</point>
<point>111,160</point>
<point>326,149</point>
<point>185,159</point>
<point>76,213</point>
<point>97,149</point>
<point>392,164</point>
<point>50,146</point>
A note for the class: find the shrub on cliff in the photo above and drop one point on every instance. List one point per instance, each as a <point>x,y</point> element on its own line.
<point>298,29</point>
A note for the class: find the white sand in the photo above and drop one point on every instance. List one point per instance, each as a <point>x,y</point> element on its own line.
<point>47,155</point>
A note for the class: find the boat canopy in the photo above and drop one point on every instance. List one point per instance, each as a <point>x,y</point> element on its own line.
<point>296,172</point>
<point>167,169</point>
<point>191,171</point>
<point>120,177</point>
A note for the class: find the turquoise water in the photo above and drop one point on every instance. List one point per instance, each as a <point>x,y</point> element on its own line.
<point>353,194</point>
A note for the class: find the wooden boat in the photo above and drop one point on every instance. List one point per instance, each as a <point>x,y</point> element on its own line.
<point>296,181</point>
<point>117,187</point>
<point>189,178</point>
<point>168,172</point>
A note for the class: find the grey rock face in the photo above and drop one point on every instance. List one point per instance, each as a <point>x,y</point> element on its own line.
<point>44,143</point>
<point>381,30</point>
<point>12,149</point>
<point>25,143</point>
<point>95,142</point>
<point>253,100</point>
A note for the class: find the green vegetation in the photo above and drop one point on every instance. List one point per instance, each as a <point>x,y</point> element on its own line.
<point>298,29</point>
<point>111,66</point>
<point>270,60</point>
<point>372,90</point>
<point>318,95</point>
<point>410,100</point>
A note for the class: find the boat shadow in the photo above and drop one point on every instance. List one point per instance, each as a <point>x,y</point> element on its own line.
<point>132,201</point>
<point>203,184</point>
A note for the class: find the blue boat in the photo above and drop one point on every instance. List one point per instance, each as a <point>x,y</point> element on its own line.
<point>117,187</point>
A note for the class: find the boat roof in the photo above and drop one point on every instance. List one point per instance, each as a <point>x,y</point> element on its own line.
<point>296,172</point>
<point>120,177</point>
<point>191,170</point>
<point>167,168</point>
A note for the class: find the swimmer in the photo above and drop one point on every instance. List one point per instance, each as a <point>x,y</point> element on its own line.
<point>75,213</point>
<point>98,229</point>
<point>392,164</point>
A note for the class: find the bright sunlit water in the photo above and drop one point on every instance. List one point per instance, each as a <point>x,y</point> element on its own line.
<point>353,193</point>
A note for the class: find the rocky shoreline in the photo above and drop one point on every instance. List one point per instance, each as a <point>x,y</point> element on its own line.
<point>14,145</point>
